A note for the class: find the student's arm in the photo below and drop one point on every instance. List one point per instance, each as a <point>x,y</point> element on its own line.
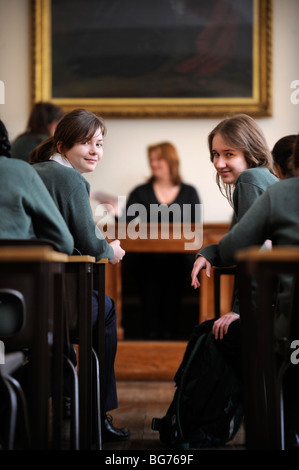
<point>252,230</point>
<point>76,211</point>
<point>205,258</point>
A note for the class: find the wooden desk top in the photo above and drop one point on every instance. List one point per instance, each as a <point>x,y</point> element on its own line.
<point>81,259</point>
<point>160,238</point>
<point>102,261</point>
<point>86,259</point>
<point>282,253</point>
<point>22,254</point>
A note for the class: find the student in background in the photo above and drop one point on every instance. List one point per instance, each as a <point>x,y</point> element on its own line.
<point>41,124</point>
<point>27,211</point>
<point>77,148</point>
<point>282,152</point>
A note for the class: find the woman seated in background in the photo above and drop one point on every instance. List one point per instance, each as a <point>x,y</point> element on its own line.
<point>160,277</point>
<point>77,148</point>
<point>41,124</point>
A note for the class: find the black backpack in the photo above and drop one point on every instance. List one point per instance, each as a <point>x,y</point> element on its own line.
<point>206,410</point>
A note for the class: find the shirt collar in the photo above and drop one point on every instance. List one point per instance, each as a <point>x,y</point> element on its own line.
<point>59,159</point>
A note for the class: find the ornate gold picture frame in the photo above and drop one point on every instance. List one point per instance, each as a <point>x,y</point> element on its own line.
<point>183,59</point>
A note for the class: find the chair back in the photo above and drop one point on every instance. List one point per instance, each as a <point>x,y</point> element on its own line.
<point>12,312</point>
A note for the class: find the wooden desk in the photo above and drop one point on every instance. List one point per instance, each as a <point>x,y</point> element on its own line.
<point>36,273</point>
<point>158,360</point>
<point>262,375</point>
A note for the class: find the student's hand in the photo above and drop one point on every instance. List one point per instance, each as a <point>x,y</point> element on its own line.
<point>119,253</point>
<point>199,263</point>
<point>221,325</point>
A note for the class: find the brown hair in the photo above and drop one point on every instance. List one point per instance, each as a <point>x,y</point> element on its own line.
<point>282,153</point>
<point>41,116</point>
<point>167,152</point>
<point>295,156</point>
<point>76,126</point>
<point>242,132</point>
<point>4,141</point>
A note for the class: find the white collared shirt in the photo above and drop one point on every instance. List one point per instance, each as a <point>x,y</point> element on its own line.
<point>59,159</point>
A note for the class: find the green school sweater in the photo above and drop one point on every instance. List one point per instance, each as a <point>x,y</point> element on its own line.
<point>70,192</point>
<point>26,208</point>
<point>23,145</point>
<point>274,216</point>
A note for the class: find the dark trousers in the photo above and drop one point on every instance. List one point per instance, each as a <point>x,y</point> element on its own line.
<point>110,393</point>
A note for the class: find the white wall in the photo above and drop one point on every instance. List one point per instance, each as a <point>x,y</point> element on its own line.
<point>125,164</point>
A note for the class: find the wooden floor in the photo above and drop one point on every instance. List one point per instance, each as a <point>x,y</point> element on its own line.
<point>139,402</point>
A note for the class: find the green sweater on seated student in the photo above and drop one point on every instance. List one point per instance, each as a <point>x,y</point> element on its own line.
<point>274,216</point>
<point>26,208</point>
<point>70,192</point>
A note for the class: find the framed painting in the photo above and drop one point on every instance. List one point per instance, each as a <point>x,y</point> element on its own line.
<point>155,58</point>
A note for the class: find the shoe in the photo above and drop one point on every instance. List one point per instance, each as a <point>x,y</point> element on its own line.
<point>111,433</point>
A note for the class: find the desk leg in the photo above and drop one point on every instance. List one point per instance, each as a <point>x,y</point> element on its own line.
<point>85,357</point>
<point>59,324</point>
<point>40,360</point>
<point>267,380</point>
<point>260,391</point>
<point>99,273</point>
<point>101,323</point>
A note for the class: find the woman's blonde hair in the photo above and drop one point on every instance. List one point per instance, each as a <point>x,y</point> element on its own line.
<point>242,132</point>
<point>167,152</point>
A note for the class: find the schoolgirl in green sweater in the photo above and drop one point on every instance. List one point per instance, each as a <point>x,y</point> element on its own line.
<point>244,166</point>
<point>274,216</point>
<point>77,148</point>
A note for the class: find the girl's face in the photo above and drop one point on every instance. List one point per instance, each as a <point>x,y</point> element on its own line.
<point>159,166</point>
<point>228,161</point>
<point>84,156</point>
